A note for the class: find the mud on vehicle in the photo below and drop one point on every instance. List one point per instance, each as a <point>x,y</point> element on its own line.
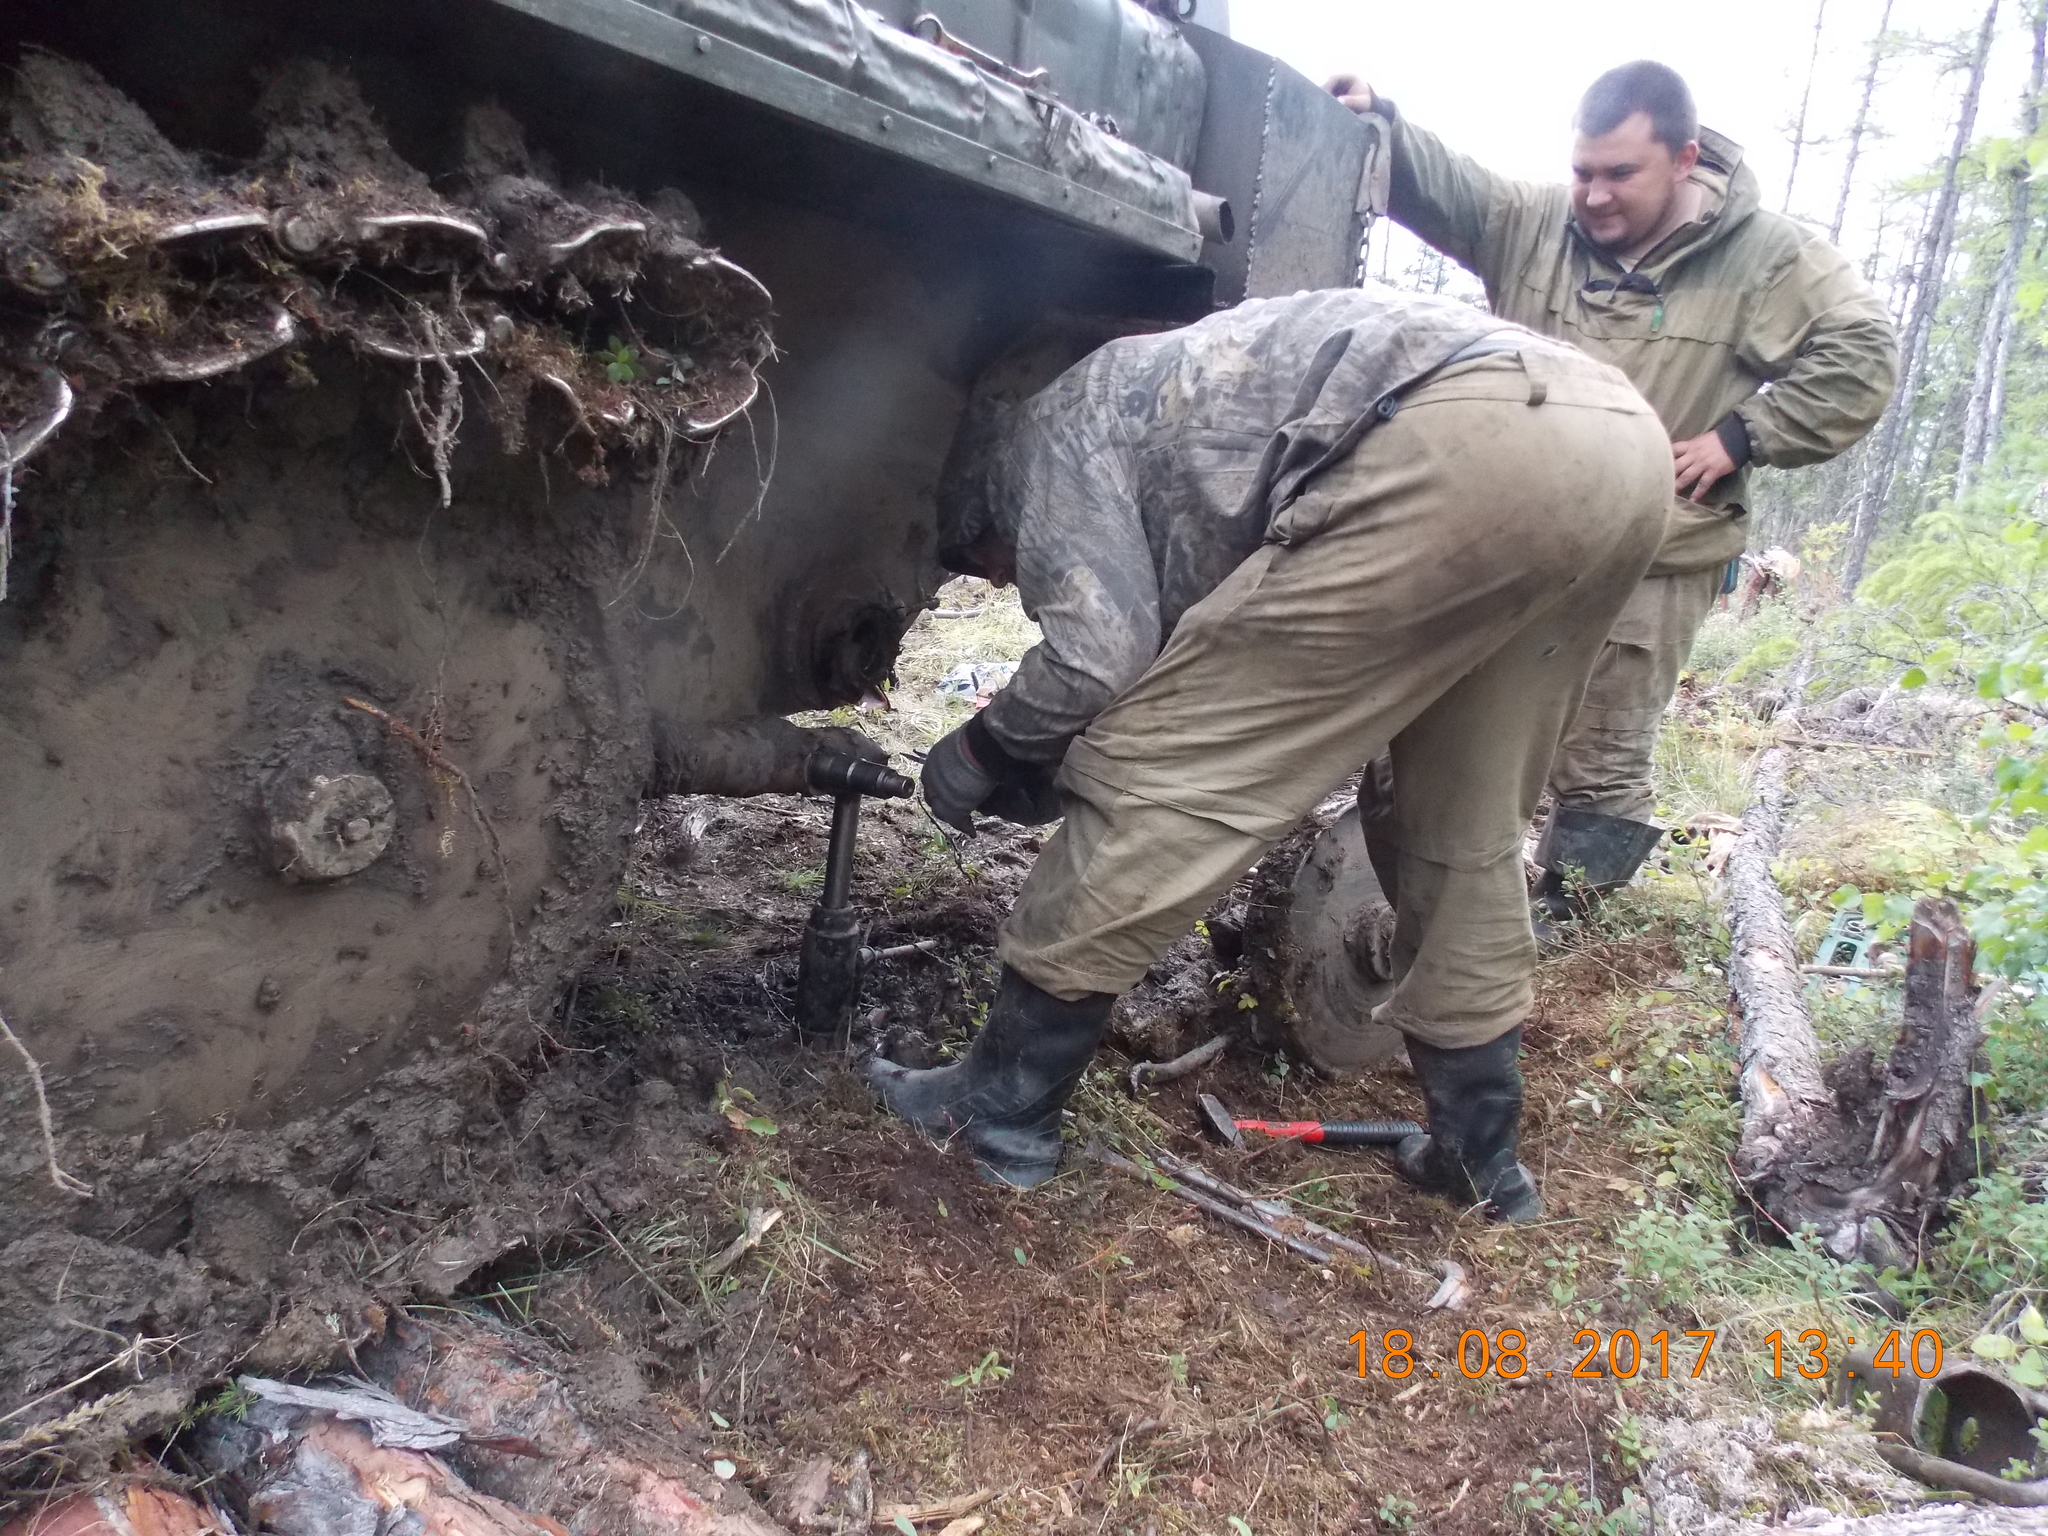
<point>413,414</point>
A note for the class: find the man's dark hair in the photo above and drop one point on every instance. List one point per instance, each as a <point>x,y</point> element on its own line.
<point>1644,86</point>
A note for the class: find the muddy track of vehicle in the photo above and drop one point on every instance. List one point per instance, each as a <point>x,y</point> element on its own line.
<point>313,748</point>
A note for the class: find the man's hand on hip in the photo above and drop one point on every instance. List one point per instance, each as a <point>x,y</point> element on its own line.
<point>955,784</point>
<point>1352,91</point>
<point>1698,462</point>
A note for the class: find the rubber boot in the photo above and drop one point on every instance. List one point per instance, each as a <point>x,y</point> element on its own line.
<point>1004,1097</point>
<point>1474,1098</point>
<point>1584,855</point>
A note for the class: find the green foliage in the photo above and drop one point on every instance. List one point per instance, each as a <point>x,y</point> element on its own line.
<point>2023,1357</point>
<point>1564,1276</point>
<point>622,1009</point>
<point>232,1401</point>
<point>1396,1513</point>
<point>1997,1241</point>
<point>1554,1503</point>
<point>1967,597</point>
<point>1969,583</point>
<point>622,363</point>
<point>1666,1253</point>
<point>1631,1443</point>
<point>1731,649</point>
<point>988,1371</point>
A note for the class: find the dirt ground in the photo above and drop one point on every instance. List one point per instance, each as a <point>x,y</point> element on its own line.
<point>1096,1355</point>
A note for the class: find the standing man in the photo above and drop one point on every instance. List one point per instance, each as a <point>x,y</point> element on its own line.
<point>1751,337</point>
<point>1263,549</point>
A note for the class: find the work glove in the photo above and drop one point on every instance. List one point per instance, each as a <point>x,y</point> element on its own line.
<point>968,771</point>
<point>1025,796</point>
<point>955,785</point>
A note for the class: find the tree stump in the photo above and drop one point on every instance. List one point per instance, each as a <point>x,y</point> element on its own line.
<point>1862,1157</point>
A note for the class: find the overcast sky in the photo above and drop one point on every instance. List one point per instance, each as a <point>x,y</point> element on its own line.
<point>1500,78</point>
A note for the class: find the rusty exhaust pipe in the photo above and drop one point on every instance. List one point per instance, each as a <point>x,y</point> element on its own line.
<point>1214,218</point>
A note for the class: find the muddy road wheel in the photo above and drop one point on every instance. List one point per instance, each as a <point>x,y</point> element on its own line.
<point>300,766</point>
<point>1320,944</point>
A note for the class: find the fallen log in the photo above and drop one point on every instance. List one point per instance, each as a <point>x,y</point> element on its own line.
<point>1937,1473</point>
<point>130,1507</point>
<point>621,1484</point>
<point>1783,1092</point>
<point>1857,1156</point>
<point>306,1472</point>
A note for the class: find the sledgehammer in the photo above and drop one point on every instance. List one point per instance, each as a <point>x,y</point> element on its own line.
<point>1224,1127</point>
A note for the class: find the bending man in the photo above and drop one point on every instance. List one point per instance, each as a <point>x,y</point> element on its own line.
<point>1352,520</point>
<point>1756,342</point>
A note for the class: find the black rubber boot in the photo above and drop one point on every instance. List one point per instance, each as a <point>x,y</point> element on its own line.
<point>1474,1097</point>
<point>1004,1097</point>
<point>1584,855</point>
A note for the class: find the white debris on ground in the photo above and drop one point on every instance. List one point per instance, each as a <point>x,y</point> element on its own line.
<point>975,681</point>
<point>1715,1476</point>
<point>1929,1520</point>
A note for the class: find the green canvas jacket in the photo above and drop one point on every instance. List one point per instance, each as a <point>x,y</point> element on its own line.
<point>1742,312</point>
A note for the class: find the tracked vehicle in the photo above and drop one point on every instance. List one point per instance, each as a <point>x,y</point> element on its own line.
<point>430,427</point>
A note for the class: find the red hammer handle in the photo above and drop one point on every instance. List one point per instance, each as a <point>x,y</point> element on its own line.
<point>1294,1130</point>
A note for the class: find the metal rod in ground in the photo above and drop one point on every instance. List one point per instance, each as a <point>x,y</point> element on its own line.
<point>1452,1288</point>
<point>1215,1207</point>
<point>927,947</point>
<point>1146,1073</point>
<point>1275,1211</point>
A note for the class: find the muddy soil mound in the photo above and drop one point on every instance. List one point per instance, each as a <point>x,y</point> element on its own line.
<point>284,1251</point>
<point>295,1249</point>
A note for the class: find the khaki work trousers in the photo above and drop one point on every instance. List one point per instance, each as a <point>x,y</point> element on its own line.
<point>1445,590</point>
<point>1603,764</point>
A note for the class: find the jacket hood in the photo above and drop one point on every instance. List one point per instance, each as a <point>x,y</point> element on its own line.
<point>1733,194</point>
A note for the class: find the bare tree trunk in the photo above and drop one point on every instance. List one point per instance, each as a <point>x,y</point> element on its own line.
<point>1820,16</point>
<point>1935,244</point>
<point>1981,422</point>
<point>2000,373</point>
<point>1862,124</point>
<point>1979,430</point>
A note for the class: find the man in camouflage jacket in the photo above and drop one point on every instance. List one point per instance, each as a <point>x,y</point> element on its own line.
<point>1751,337</point>
<point>1263,550</point>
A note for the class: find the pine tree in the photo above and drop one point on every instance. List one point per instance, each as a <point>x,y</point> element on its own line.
<point>1994,344</point>
<point>1936,240</point>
